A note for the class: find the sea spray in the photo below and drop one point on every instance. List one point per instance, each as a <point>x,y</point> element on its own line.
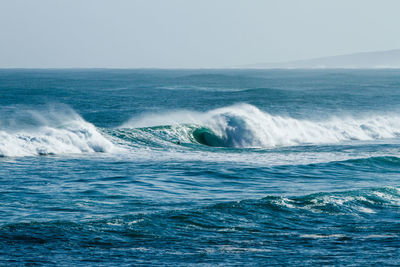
<point>49,131</point>
<point>244,125</point>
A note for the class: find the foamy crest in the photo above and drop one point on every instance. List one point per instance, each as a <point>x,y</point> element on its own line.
<point>50,132</point>
<point>245,125</point>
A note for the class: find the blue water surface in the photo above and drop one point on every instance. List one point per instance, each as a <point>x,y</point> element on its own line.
<point>199,167</point>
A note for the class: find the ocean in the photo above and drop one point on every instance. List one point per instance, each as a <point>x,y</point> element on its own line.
<point>102,167</point>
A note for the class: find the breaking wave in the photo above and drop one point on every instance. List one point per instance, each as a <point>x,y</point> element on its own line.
<point>49,132</point>
<point>246,126</point>
<point>61,130</point>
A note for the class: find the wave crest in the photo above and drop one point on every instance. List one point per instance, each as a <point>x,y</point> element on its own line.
<point>245,125</point>
<point>48,132</point>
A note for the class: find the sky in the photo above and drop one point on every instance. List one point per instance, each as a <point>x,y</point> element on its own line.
<point>189,33</point>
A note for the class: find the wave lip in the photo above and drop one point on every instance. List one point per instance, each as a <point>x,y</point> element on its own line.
<point>246,126</point>
<point>51,132</point>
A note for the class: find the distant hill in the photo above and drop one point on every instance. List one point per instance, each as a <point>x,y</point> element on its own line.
<point>367,60</point>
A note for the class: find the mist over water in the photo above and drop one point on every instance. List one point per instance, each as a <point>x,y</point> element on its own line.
<point>184,167</point>
<point>48,132</point>
<point>244,125</point>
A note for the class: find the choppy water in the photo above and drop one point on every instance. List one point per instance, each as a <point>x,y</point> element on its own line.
<point>199,167</point>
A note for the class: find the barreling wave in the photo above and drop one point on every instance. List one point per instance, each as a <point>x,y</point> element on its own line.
<point>49,132</point>
<point>246,126</point>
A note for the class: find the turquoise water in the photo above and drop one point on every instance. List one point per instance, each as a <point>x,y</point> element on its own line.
<point>199,167</point>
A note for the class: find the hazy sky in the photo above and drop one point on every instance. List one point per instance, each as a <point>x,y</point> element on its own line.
<point>186,33</point>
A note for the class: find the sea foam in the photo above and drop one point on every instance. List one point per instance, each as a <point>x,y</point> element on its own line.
<point>244,125</point>
<point>47,132</point>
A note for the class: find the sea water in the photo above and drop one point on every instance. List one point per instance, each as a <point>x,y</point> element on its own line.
<point>199,167</point>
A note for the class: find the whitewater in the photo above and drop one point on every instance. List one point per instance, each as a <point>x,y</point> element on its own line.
<point>199,167</point>
<point>238,126</point>
<point>245,125</point>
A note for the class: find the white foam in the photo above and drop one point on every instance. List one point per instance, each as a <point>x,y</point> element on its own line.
<point>52,132</point>
<point>366,210</point>
<point>318,236</point>
<point>245,125</point>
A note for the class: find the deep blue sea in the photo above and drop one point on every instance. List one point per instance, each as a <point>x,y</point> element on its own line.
<point>199,167</point>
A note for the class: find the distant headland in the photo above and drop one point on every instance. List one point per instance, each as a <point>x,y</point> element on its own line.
<point>365,60</point>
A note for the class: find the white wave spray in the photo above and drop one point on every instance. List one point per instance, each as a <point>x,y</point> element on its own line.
<point>245,125</point>
<point>49,131</point>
